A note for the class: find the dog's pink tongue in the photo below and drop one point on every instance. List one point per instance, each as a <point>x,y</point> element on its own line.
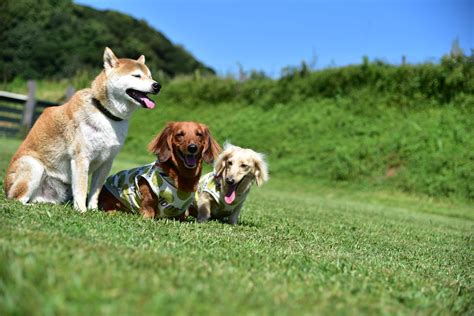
<point>230,195</point>
<point>149,103</point>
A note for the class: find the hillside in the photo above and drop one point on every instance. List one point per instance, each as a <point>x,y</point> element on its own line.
<point>404,128</point>
<point>372,125</point>
<point>55,38</point>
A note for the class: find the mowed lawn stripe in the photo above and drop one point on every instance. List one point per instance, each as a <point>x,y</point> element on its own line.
<point>282,258</point>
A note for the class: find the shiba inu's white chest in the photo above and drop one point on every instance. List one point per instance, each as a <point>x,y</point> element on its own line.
<point>102,137</point>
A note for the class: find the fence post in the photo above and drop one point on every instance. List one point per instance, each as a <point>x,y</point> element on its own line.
<point>30,105</point>
<point>69,92</point>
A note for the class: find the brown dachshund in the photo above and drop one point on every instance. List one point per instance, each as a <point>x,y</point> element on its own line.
<point>165,188</point>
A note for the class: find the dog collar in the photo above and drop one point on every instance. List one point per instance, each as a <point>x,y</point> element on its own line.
<point>106,112</point>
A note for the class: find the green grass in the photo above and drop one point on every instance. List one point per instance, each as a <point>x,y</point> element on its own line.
<point>301,248</point>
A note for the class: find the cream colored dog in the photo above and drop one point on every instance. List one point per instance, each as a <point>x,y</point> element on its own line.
<point>80,138</point>
<point>222,193</point>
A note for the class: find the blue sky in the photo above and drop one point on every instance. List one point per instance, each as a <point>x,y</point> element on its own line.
<point>269,35</point>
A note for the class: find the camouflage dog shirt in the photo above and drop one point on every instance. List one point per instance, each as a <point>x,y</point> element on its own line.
<point>171,202</point>
<point>211,184</point>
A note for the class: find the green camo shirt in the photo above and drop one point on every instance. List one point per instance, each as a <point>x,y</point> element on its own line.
<point>211,184</point>
<point>171,202</point>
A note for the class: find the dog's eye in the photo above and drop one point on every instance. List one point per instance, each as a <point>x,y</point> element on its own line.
<point>137,76</point>
<point>180,134</point>
<point>244,166</point>
<point>199,134</point>
<point>229,163</point>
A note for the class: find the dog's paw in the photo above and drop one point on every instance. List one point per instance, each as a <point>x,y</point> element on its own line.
<point>202,219</point>
<point>80,208</point>
<point>92,206</point>
<point>148,214</point>
<point>232,220</point>
<point>25,201</point>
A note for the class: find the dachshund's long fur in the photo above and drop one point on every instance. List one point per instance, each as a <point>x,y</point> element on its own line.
<point>236,169</point>
<point>172,147</point>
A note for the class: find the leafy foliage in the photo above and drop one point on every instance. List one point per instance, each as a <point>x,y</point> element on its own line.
<point>56,38</point>
<point>404,85</point>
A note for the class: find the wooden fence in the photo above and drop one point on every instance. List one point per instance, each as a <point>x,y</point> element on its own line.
<point>18,112</point>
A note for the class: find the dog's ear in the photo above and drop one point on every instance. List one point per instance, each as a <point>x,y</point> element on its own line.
<point>261,169</point>
<point>220,163</point>
<point>161,145</point>
<point>141,59</point>
<point>110,60</point>
<point>211,147</point>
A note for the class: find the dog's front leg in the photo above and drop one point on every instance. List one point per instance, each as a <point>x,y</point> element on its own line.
<point>149,199</point>
<point>147,211</point>
<point>204,210</point>
<point>234,217</point>
<point>98,179</point>
<point>80,175</point>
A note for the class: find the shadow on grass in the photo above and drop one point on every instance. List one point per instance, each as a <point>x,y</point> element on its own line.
<point>245,223</point>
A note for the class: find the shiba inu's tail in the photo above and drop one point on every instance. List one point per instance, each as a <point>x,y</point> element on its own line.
<point>23,179</point>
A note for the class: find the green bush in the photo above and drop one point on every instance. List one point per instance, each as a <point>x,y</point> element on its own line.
<point>405,85</point>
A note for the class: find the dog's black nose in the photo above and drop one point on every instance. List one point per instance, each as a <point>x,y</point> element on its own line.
<point>192,148</point>
<point>229,181</point>
<point>156,87</point>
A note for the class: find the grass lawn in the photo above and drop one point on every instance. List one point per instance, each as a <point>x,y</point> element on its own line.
<point>301,248</point>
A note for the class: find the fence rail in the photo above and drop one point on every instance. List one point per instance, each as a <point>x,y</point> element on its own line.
<point>18,112</point>
<point>21,98</point>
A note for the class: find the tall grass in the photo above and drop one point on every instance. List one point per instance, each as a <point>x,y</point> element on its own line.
<point>357,140</point>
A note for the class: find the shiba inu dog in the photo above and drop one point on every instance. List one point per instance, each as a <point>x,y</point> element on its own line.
<point>81,137</point>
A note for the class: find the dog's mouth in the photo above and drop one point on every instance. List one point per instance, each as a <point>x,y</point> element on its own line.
<point>141,98</point>
<point>189,160</point>
<point>229,197</point>
<point>231,193</point>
